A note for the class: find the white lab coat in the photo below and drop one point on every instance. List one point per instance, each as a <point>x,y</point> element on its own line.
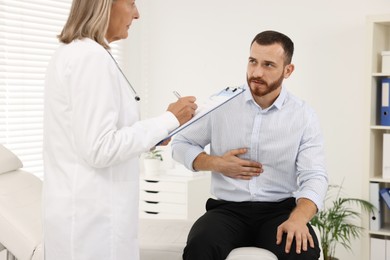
<point>92,142</point>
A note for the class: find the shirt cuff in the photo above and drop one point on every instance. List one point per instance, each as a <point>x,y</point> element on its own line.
<point>311,196</point>
<point>190,156</point>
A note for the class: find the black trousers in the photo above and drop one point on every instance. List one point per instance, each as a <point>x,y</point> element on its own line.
<point>227,225</point>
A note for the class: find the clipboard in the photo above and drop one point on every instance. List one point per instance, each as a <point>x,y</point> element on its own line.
<point>213,102</point>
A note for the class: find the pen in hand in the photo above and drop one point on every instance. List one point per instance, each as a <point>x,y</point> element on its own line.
<point>176,94</point>
<point>188,102</point>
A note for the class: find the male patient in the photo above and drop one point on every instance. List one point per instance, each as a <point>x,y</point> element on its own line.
<point>267,163</point>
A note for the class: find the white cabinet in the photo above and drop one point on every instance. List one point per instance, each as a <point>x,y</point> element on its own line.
<point>378,40</point>
<point>174,197</point>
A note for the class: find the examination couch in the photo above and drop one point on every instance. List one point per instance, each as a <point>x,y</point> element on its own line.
<point>20,209</point>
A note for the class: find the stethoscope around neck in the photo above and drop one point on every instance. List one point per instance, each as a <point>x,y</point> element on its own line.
<point>136,97</point>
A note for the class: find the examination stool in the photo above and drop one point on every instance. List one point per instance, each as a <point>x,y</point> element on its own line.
<point>165,239</point>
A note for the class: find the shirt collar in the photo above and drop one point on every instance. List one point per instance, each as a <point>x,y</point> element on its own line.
<point>281,98</point>
<point>106,42</point>
<point>278,103</point>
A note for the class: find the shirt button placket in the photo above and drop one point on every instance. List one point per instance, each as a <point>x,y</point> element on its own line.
<point>254,150</point>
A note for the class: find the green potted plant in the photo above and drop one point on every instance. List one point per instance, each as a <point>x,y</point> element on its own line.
<point>154,154</point>
<point>336,221</point>
<point>152,162</point>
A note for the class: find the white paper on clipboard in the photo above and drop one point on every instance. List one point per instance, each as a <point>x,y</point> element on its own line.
<point>212,103</point>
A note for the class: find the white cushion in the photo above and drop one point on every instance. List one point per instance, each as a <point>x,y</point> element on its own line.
<point>20,213</point>
<point>8,160</point>
<point>251,253</point>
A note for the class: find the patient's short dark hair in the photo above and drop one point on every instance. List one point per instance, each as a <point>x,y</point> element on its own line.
<point>271,37</point>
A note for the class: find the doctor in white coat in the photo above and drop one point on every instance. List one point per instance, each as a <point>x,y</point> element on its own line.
<point>93,137</point>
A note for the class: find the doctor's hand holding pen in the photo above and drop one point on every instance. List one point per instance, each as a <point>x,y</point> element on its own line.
<point>183,109</point>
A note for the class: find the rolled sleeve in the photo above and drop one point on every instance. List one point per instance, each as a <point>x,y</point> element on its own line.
<point>184,152</point>
<point>315,190</point>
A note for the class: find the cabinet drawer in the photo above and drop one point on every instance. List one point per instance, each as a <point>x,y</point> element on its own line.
<point>159,215</point>
<point>163,186</point>
<point>163,196</point>
<point>162,207</point>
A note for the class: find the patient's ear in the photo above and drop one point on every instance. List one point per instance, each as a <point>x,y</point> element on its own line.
<point>288,69</point>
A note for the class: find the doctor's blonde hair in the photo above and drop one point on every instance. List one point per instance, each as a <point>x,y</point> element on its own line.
<point>87,19</point>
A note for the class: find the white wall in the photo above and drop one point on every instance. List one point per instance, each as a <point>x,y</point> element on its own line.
<point>198,47</point>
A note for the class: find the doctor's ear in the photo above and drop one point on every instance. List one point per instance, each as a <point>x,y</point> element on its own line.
<point>288,69</point>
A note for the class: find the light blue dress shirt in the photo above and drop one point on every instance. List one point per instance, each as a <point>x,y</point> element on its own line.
<point>285,138</point>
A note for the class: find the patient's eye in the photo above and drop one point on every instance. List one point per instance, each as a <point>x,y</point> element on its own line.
<point>252,61</point>
<point>269,64</point>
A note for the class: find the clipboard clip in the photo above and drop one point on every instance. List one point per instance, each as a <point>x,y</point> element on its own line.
<point>232,89</point>
<point>229,91</point>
